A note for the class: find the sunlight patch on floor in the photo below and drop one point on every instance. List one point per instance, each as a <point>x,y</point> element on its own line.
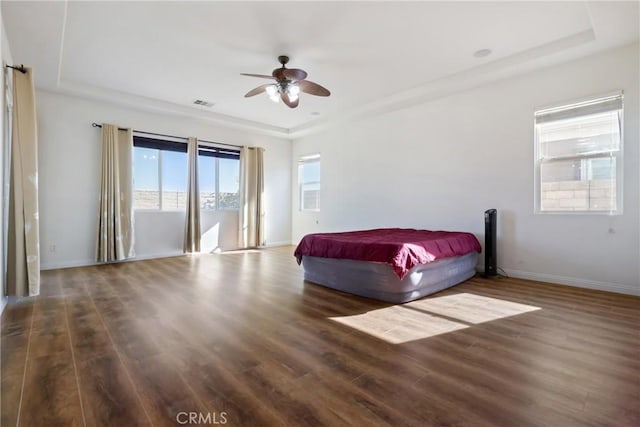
<point>430,317</point>
<point>471,308</point>
<point>397,324</point>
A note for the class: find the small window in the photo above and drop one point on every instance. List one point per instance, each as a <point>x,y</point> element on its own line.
<point>579,156</point>
<point>159,174</point>
<point>309,182</point>
<point>219,175</point>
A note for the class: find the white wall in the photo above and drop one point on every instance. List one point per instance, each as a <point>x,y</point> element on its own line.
<point>160,234</point>
<point>440,164</point>
<point>5,54</point>
<point>69,156</point>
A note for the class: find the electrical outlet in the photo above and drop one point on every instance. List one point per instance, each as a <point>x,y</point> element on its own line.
<point>52,248</point>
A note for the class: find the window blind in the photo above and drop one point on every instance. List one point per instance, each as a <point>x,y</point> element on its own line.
<point>181,147</point>
<point>595,106</point>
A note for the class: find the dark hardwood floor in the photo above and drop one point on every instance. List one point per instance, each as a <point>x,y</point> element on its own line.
<point>241,338</point>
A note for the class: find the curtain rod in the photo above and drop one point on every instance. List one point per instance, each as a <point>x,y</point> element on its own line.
<point>96,125</point>
<point>20,68</point>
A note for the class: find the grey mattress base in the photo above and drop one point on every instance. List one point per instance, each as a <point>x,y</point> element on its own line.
<point>378,280</point>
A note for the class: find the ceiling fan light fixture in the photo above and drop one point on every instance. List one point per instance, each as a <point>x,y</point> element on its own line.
<point>272,91</point>
<point>293,91</point>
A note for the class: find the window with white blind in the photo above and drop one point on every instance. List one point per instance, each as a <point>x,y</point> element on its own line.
<point>309,182</point>
<point>578,151</point>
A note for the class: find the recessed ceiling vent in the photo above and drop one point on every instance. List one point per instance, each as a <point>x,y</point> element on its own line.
<point>203,103</point>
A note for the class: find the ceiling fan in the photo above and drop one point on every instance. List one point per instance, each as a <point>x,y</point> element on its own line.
<point>289,82</point>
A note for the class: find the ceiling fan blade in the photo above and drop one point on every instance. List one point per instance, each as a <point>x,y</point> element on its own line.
<point>294,74</point>
<point>285,99</point>
<point>278,73</point>
<point>263,76</point>
<point>258,90</point>
<point>313,88</point>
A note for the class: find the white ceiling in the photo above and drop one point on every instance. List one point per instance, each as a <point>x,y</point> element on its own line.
<point>371,55</point>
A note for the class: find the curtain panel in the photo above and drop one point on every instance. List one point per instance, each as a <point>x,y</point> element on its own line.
<point>251,218</point>
<point>192,222</point>
<point>115,223</point>
<point>23,243</point>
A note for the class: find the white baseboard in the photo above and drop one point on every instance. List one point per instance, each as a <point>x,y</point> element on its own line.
<point>6,300</point>
<point>154,256</point>
<point>87,263</point>
<point>574,281</point>
<point>90,262</point>
<point>67,264</point>
<point>276,244</point>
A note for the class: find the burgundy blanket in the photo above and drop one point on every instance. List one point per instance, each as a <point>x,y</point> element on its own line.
<point>402,248</point>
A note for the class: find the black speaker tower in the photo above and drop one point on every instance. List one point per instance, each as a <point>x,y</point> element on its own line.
<point>490,257</point>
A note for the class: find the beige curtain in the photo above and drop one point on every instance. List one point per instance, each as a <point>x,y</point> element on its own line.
<point>23,258</point>
<point>192,223</point>
<point>115,223</point>
<point>251,220</point>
